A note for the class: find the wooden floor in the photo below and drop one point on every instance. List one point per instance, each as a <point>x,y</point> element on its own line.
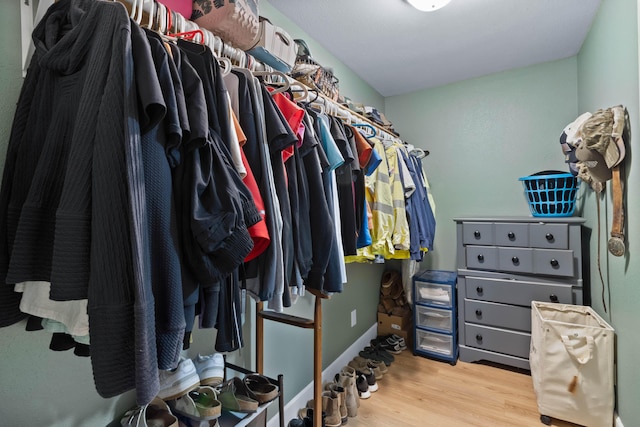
<point>422,392</point>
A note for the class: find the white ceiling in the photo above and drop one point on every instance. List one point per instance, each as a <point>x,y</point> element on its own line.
<point>397,49</point>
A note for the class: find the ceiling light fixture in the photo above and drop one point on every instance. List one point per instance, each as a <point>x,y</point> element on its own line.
<point>428,5</point>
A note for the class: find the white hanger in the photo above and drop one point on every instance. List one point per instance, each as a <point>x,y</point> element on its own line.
<point>152,13</point>
<point>137,11</point>
<point>305,91</point>
<point>134,8</point>
<point>226,69</point>
<point>162,18</point>
<point>284,81</point>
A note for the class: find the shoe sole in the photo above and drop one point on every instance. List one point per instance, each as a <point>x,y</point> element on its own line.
<point>182,387</point>
<point>211,381</point>
<point>364,395</point>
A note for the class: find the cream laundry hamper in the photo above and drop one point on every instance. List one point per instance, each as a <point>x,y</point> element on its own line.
<point>572,364</point>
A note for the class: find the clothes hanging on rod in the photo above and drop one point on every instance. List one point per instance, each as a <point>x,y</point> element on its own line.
<point>133,153</point>
<point>127,188</point>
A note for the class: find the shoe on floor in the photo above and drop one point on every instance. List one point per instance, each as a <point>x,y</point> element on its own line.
<point>342,399</point>
<point>393,341</point>
<point>377,364</point>
<point>331,409</point>
<point>393,338</point>
<point>346,379</point>
<point>210,368</point>
<point>154,414</point>
<point>370,377</point>
<point>179,381</point>
<point>376,353</point>
<point>296,422</point>
<point>393,348</point>
<point>362,364</point>
<point>362,386</point>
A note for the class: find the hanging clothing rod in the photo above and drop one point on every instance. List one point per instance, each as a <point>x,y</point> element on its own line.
<point>154,14</point>
<point>139,9</point>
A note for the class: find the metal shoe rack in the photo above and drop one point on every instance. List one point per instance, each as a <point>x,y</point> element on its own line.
<point>258,418</point>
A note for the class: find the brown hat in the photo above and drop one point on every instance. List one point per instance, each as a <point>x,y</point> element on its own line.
<point>592,168</point>
<point>603,132</point>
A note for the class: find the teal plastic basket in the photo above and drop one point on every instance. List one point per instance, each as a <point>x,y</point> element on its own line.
<point>551,194</point>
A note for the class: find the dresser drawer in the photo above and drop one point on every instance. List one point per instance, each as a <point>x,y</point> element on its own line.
<point>434,318</point>
<point>482,257</point>
<point>499,315</point>
<point>477,233</point>
<point>499,340</point>
<point>517,260</point>
<point>553,262</point>
<point>549,236</point>
<point>511,234</point>
<point>516,292</point>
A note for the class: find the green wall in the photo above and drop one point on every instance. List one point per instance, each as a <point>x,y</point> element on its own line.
<point>607,76</point>
<point>482,135</point>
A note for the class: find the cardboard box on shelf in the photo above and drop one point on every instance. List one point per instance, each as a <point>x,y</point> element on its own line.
<point>389,324</point>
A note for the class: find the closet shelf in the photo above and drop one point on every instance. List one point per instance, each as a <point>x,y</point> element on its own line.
<point>258,418</point>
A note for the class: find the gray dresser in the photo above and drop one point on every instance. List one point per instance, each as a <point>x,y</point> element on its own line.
<point>503,264</point>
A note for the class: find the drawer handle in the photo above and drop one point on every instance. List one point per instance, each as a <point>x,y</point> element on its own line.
<point>554,262</point>
<point>511,235</point>
<point>479,289</point>
<point>553,298</point>
<point>479,337</point>
<point>515,260</point>
<point>476,234</point>
<point>480,257</point>
<point>549,237</point>
<point>478,312</point>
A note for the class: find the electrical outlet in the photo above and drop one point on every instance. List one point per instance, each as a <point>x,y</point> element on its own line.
<point>353,318</point>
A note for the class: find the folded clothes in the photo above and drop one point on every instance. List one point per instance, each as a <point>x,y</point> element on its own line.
<point>435,294</point>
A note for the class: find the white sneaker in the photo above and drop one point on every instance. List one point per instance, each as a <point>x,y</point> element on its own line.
<point>179,381</point>
<point>210,369</point>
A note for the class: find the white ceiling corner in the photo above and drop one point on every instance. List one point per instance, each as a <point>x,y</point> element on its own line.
<point>397,49</point>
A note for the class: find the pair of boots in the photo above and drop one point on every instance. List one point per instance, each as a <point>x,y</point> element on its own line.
<point>305,418</point>
<point>340,401</point>
<point>346,379</point>
<point>331,416</point>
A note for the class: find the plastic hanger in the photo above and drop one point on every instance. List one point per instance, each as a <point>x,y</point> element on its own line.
<point>226,69</point>
<point>140,12</point>
<point>169,15</point>
<point>137,9</point>
<point>134,8</point>
<point>419,152</point>
<point>283,84</point>
<point>162,18</point>
<point>303,89</point>
<point>152,14</point>
<point>366,128</point>
<point>196,36</point>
